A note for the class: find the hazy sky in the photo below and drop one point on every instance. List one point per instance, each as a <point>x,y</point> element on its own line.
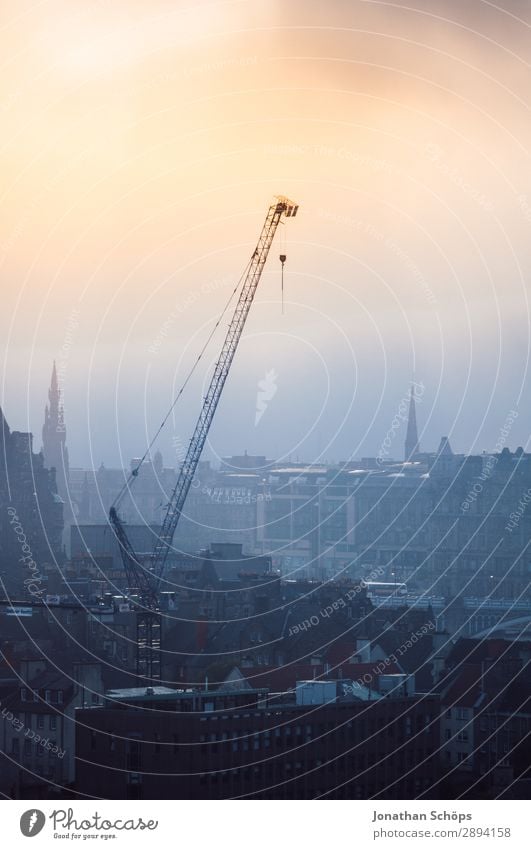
<point>142,143</point>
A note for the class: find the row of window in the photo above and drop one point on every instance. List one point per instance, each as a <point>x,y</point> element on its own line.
<point>43,720</point>
<point>460,713</point>
<point>462,736</point>
<point>29,747</point>
<point>50,696</point>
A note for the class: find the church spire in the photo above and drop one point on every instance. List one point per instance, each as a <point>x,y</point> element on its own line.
<point>411,446</point>
<point>54,387</point>
<point>54,436</point>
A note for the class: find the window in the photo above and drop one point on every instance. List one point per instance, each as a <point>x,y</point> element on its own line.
<point>23,694</point>
<point>40,720</point>
<point>47,695</point>
<point>27,748</point>
<point>462,713</point>
<point>463,736</point>
<point>53,723</point>
<point>60,696</point>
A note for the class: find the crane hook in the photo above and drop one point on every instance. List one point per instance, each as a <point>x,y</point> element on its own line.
<point>282,260</point>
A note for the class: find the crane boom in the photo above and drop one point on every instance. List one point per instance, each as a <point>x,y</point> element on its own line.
<point>281,207</point>
<point>137,577</point>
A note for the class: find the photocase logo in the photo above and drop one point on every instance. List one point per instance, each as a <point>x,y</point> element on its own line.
<point>32,822</point>
<point>267,389</point>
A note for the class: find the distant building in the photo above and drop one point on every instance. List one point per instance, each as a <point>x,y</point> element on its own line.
<point>31,515</point>
<point>94,491</point>
<point>54,448</point>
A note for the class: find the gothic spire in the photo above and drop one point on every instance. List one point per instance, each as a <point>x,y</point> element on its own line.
<point>54,387</point>
<point>411,446</point>
<point>54,436</point>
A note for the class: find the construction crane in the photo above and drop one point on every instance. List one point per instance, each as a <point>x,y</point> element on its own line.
<point>143,582</point>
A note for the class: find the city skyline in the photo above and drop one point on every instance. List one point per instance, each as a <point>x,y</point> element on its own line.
<point>393,447</point>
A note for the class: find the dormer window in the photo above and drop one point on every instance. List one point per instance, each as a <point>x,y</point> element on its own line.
<point>47,696</point>
<point>23,694</point>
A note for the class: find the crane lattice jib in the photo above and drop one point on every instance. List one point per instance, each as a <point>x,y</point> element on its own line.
<point>281,207</point>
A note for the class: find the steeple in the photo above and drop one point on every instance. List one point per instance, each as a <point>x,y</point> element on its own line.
<point>411,446</point>
<point>54,437</point>
<point>54,387</point>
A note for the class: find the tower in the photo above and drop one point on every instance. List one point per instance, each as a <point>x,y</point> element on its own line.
<point>411,446</point>
<point>54,438</point>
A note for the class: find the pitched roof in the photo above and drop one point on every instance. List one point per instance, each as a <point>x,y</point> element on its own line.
<point>465,689</point>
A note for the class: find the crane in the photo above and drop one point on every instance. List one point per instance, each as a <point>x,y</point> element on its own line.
<point>147,582</point>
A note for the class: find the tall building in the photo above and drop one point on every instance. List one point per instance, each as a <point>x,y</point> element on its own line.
<point>411,446</point>
<point>31,515</point>
<point>54,438</point>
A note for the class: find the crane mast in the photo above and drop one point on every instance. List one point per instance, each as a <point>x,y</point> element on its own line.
<point>148,582</point>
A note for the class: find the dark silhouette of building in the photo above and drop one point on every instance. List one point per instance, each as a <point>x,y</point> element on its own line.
<point>158,743</point>
<point>31,515</point>
<point>37,736</point>
<point>485,689</point>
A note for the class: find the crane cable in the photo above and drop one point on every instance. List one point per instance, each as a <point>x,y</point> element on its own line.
<point>282,258</point>
<point>134,472</point>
